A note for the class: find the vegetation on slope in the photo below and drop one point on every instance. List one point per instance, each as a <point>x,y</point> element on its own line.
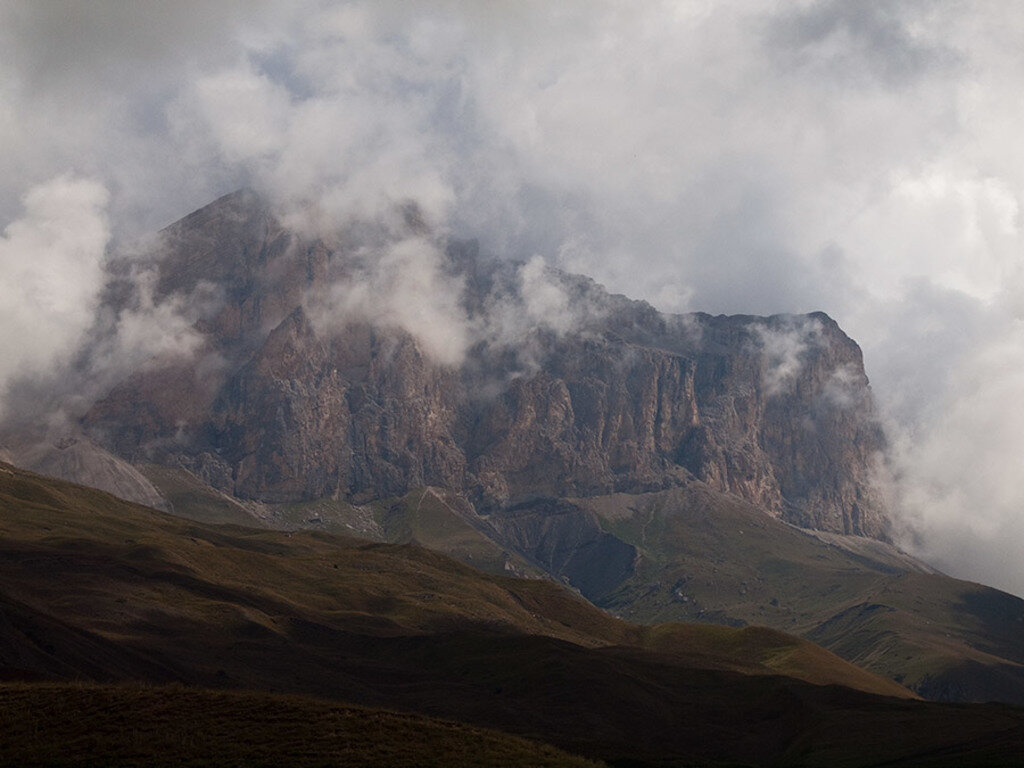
<point>93,588</point>
<point>132,570</point>
<point>708,557</point>
<point>84,725</point>
<point>703,556</point>
<point>430,517</point>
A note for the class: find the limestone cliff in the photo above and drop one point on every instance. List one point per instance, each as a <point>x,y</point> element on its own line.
<point>608,396</point>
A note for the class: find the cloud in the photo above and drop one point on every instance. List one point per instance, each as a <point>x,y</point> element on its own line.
<point>864,44</point>
<point>402,284</point>
<point>52,262</point>
<point>84,88</point>
<point>959,468</point>
<point>784,347</point>
<point>948,378</point>
<point>347,120</point>
<point>145,332</point>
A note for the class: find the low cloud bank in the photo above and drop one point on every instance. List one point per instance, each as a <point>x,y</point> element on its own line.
<point>950,390</point>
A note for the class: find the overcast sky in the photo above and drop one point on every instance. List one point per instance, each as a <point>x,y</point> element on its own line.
<point>857,157</point>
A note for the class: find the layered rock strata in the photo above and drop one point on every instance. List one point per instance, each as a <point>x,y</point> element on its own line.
<point>613,397</point>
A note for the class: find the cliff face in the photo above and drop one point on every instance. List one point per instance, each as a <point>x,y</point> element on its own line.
<point>613,397</point>
<point>788,421</point>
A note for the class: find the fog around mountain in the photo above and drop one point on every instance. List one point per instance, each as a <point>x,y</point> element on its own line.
<point>857,158</point>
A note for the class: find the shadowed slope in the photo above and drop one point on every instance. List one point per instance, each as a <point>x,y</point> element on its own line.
<point>710,557</point>
<point>125,577</point>
<point>695,554</point>
<point>143,595</point>
<point>75,725</point>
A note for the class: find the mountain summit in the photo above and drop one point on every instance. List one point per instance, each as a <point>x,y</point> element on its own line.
<point>315,377</point>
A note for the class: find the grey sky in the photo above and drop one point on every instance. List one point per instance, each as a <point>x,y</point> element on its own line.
<point>861,158</point>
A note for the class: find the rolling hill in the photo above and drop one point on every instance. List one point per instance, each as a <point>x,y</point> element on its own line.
<point>82,724</point>
<point>693,554</point>
<point>98,589</point>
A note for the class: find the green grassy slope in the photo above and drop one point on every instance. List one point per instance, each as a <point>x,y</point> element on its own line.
<point>430,517</point>
<point>188,496</point>
<point>754,650</point>
<point>708,557</point>
<point>95,588</point>
<point>118,572</point>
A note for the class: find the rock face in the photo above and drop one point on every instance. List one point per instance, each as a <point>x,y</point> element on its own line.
<point>788,421</point>
<point>600,394</point>
<point>282,420</point>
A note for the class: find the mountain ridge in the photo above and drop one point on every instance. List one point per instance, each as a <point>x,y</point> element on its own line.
<point>594,394</point>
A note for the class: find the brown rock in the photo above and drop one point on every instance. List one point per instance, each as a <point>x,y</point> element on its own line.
<point>776,410</point>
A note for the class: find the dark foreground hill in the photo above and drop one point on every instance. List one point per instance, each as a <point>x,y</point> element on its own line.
<point>93,588</point>
<point>78,724</point>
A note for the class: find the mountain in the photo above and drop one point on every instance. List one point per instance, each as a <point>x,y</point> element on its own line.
<point>96,589</point>
<point>599,395</point>
<point>526,422</point>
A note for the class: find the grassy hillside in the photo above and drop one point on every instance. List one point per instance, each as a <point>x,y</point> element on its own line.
<point>430,517</point>
<point>758,650</point>
<point>187,496</point>
<point>79,725</point>
<point>93,588</point>
<point>75,558</point>
<point>703,556</point>
<point>708,557</point>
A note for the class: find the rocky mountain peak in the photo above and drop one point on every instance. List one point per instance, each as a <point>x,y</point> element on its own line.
<point>562,389</point>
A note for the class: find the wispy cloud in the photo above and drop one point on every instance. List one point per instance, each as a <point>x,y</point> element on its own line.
<point>784,348</point>
<point>52,261</point>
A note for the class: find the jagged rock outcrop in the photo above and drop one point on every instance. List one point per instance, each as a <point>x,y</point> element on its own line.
<point>283,421</point>
<point>600,394</point>
<point>604,416</point>
<point>787,420</point>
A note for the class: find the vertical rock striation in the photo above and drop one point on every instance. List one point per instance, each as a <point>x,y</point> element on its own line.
<point>609,396</point>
